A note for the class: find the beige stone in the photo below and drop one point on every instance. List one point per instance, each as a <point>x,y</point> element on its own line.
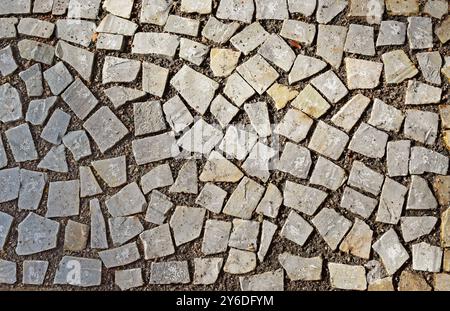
<point>383,285</point>
<point>445,228</point>
<point>75,236</point>
<point>223,61</point>
<point>446,262</point>
<point>441,282</point>
<point>446,138</point>
<point>358,241</point>
<point>402,7</point>
<point>410,281</point>
<point>281,95</point>
<point>444,112</point>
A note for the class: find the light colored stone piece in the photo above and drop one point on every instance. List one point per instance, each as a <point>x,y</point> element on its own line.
<point>244,199</point>
<point>430,64</point>
<point>80,59</point>
<point>111,170</point>
<point>201,138</point>
<point>420,196</point>
<point>37,51</point>
<point>219,169</point>
<point>296,229</point>
<point>305,67</point>
<point>75,236</point>
<point>98,239</point>
<point>217,31</point>
<point>362,74</point>
<point>358,241</point>
<point>391,33</point>
<point>267,232</point>
<point>128,201</point>
<point>414,227</point>
<point>157,242</point>
<point>351,112</point>
<point>295,125</point>
<point>155,12</point>
<point>216,236</point>
<point>186,224</point>
<point>369,141</point>
<point>169,272</point>
<point>385,117</point>
<point>298,31</point>
<point>239,262</point>
<point>391,251</point>
<point>127,279</point>
<point>271,9</point>
<point>182,25</point>
<point>237,10</point>
<point>278,52</point>
<point>237,89</point>
<point>397,157</point>
<point>158,177</point>
<point>329,84</point>
<point>421,126</point>
<point>211,197</point>
<point>160,44</point>
<point>249,38</point>
<point>117,69</point>
<point>347,277</point>
<point>328,141</point>
<point>364,178</point>
<point>193,51</point>
<point>302,198</point>
<point>148,118</point>
<point>397,67</point>
<point>426,257</point>
<point>120,256</point>
<point>358,203</point>
<point>295,160</point>
<point>36,234</point>
<point>419,93</point>
<point>426,160</point>
<point>266,281</point>
<point>206,270</point>
<point>331,226</point>
<point>301,268</point>
<point>259,118</point>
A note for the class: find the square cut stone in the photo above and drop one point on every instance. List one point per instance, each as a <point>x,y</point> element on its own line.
<point>386,117</point>
<point>369,141</point>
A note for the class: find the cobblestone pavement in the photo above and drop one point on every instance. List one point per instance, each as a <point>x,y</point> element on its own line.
<point>224,144</point>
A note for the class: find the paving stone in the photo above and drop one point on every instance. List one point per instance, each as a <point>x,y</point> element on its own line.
<point>258,73</point>
<point>236,10</point>
<point>425,160</point>
<point>446,260</point>
<point>193,6</point>
<point>58,78</point>
<point>10,184</point>
<point>305,67</point>
<point>55,160</point>
<point>249,38</point>
<point>88,183</point>
<point>441,281</point>
<point>8,27</point>
<point>330,86</point>
<point>442,31</point>
<point>364,178</point>
<point>419,93</point>
<point>426,257</point>
<point>301,268</point>
<point>206,270</point>
<point>193,51</point>
<point>120,256</point>
<point>295,160</point>
<point>421,126</point>
<point>158,177</point>
<point>119,7</point>
<point>391,251</point>
<point>63,199</point>
<point>216,236</point>
<point>35,27</point>
<point>295,125</point>
<point>186,181</point>
<point>244,199</point>
<point>36,234</point>
<point>384,284</point>
<point>360,40</point>
<point>441,187</point>
<point>60,7</point>
<point>197,89</point>
<point>109,42</point>
<point>328,140</point>
<point>117,25</point>
<point>244,234</point>
<point>369,141</point>
<point>331,226</point>
<point>223,61</point>
<point>408,7</point>
<point>445,228</point>
<point>259,118</point>
<point>271,9</point>
<point>358,203</point>
<point>38,110</point>
<point>75,236</point>
<point>223,110</point>
<point>128,201</point>
<point>186,224</point>
<point>155,12</point>
<point>158,207</point>
<point>391,33</point>
<point>362,74</point>
<point>21,143</point>
<point>296,229</point>
<point>32,77</point>
<point>80,59</point>
<point>8,270</point>
<point>277,51</point>
<point>201,138</point>
<point>15,7</point>
<point>112,170</point>
<point>98,239</point>
<point>219,169</point>
<point>420,196</point>
<point>349,277</point>
<point>3,156</point>
<point>436,8</point>
<point>120,95</point>
<point>117,69</point>
<point>328,174</point>
<point>105,128</point>
<point>267,232</point>
<point>34,272</point>
<point>281,95</point>
<point>211,197</point>
<point>219,32</point>
<point>270,280</point>
<point>177,115</point>
<point>430,64</point>
<point>420,32</point>
<point>78,144</point>
<point>169,272</point>
<point>303,198</point>
<point>32,186</point>
<point>161,44</point>
<point>148,118</point>
<point>166,148</point>
<point>391,202</point>
<point>351,112</point>
<point>410,281</point>
<point>10,104</point>
<point>259,161</point>
<point>397,67</point>
<point>306,7</point>
<point>7,62</point>
<point>414,227</point>
<point>37,51</point>
<point>128,279</point>
<point>397,156</point>
<point>182,25</point>
<point>330,44</point>
<point>123,229</point>
<point>239,262</point>
<point>371,10</point>
<point>385,117</point>
<point>298,31</point>
<point>56,127</point>
<point>5,227</point>
<point>78,271</point>
<point>87,9</point>
<point>237,89</point>
<point>358,241</point>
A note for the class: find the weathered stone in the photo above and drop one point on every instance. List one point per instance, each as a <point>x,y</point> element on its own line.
<point>87,9</point>
<point>109,42</point>
<point>237,89</point>
<point>148,118</point>
<point>369,141</point>
<point>38,110</point>
<point>5,226</point>
<point>123,229</point>
<point>157,242</point>
<point>177,115</point>
<point>194,6</point>
<point>328,174</point>
<point>201,138</point>
<point>420,196</point>
<point>271,9</point>
<point>223,61</point>
<point>258,73</point>
<point>128,279</point>
<point>298,31</point>
<point>223,110</point>
<point>206,270</point>
<point>239,262</point>
<point>98,239</point>
<point>358,241</point>
<point>120,8</point>
<point>385,117</point>
<point>391,202</point>
<point>80,59</point>
<point>8,270</point>
<point>128,201</point>
<point>442,31</point>
<point>407,7</point>
<point>10,104</point>
<point>15,7</point>
<point>267,281</point>
<point>37,51</point>
<point>169,272</point>
<point>267,232</point>
<point>351,112</point>
<point>360,40</point>
<point>117,69</point>
<point>441,187</point>
<point>7,62</point>
<point>330,44</point>
<point>391,33</point>
<point>58,78</point>
<point>216,236</point>
<point>161,44</point>
<point>425,160</point>
<point>295,125</point>
<point>330,86</point>
<point>120,95</point>
<point>75,236</point>
<point>328,141</point>
<point>9,184</point>
<point>383,285</point>
<point>219,32</point>
<point>296,229</point>
<point>117,25</point>
<point>236,10</point>
<point>358,203</point>
<point>88,272</point>
<point>362,74</point>
<point>430,65</point>
<point>3,156</point>
<point>155,12</point>
<point>154,79</point>
<point>421,126</point>
<point>186,181</point>
<point>63,199</point>
<point>120,256</point>
<point>420,32</point>
<point>34,272</point>
<point>445,228</point>
<point>32,186</point>
<point>347,277</point>
<point>55,160</point>
<point>302,198</point>
<point>182,25</point>
<point>277,51</point>
<point>32,77</point>
<point>295,160</point>
<point>244,234</point>
<point>391,251</point>
<point>414,227</point>
<point>36,234</point>
<point>88,183</point>
<point>219,169</point>
<point>78,144</point>
<point>211,197</point>
<point>410,281</point>
<point>331,226</point>
<point>372,10</point>
<point>244,199</point>
<point>364,178</point>
<point>301,268</point>
<point>259,118</point>
<point>305,67</point>
<point>35,27</point>
<point>193,51</point>
<point>397,67</point>
<point>186,224</point>
<point>258,163</point>
<point>21,143</point>
<point>8,27</point>
<point>112,171</point>
<point>158,207</point>
<point>158,177</point>
<point>441,282</point>
<point>281,95</point>
<point>56,127</point>
<point>419,93</point>
<point>249,38</point>
<point>163,147</point>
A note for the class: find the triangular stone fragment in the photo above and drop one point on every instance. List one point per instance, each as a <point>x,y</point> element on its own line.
<point>219,169</point>
<point>113,171</point>
<point>88,183</point>
<point>415,227</point>
<point>55,160</point>
<point>305,67</point>
<point>186,181</point>
<point>120,95</point>
<point>420,196</point>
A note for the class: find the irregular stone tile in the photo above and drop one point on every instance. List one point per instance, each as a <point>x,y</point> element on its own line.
<point>430,64</point>
<point>391,202</point>
<point>445,228</point>
<point>194,6</point>
<point>360,40</point>
<point>128,279</point>
<point>60,7</point>
<point>244,199</point>
<point>7,62</point>
<point>63,199</point>
<point>32,186</point>
<point>155,12</point>
<point>120,256</point>
<point>425,160</point>
<point>34,272</point>
<point>154,79</point>
<point>298,31</point>
<point>78,271</point>
<point>249,38</point>
<point>120,95</point>
<point>5,226</point>
<point>10,104</point>
<point>117,25</point>
<point>328,141</point>
<point>10,184</point>
<point>32,77</point>
<point>123,229</point>
<point>371,10</point>
<point>358,241</point>
<point>116,69</point>
<point>21,143</point>
<point>410,281</point>
<point>244,234</point>
<point>305,67</point>
<point>349,277</point>
<point>267,232</point>
<point>186,224</point>
<point>236,10</point>
<point>442,31</point>
<point>420,196</point>
<point>58,78</point>
<point>98,239</point>
<point>112,170</point>
<point>75,31</point>
<point>87,9</point>
<point>421,126</point>
<point>397,157</point>
<point>414,227</point>
<point>223,61</point>
<point>330,86</point>
<point>239,262</point>
<point>182,25</point>
<point>158,177</point>
<point>328,174</point>
<point>306,7</point>
<point>296,229</point>
<point>109,42</point>
<point>369,141</point>
<point>271,9</point>
<point>446,260</point>
<point>385,117</point>
<point>119,7</point>
<point>37,51</point>
<point>3,156</point>
<point>75,236</point>
<point>8,27</point>
<point>311,102</point>
<point>78,144</point>
<point>219,32</point>
<point>301,268</point>
<point>206,270</point>
<point>441,187</point>
<point>436,8</point>
<point>219,169</point>
<point>128,201</point>
<point>408,7</point>
<point>259,118</point>
<point>80,59</point>
<point>169,272</point>
<point>216,236</point>
<point>419,93</point>
<point>302,198</point>
<point>201,138</point>
<point>258,73</point>
<point>351,112</point>
<point>330,44</point>
<point>420,32</point>
<point>384,284</point>
<point>223,110</point>
<point>362,74</point>
<point>211,197</point>
<point>36,234</point>
<point>15,7</point>
<point>441,282</point>
<point>237,90</point>
<point>391,251</point>
<point>56,127</point>
<point>426,257</point>
<point>331,226</point>
<point>270,281</point>
<point>358,203</point>
<point>35,27</point>
<point>148,118</point>
<point>105,128</point>
<point>186,181</point>
<point>328,9</point>
<point>157,242</point>
<point>193,51</point>
<point>161,44</point>
<point>277,51</point>
<point>364,178</point>
<point>166,148</point>
<point>295,125</point>
<point>258,162</point>
<point>397,67</point>
<point>158,206</point>
<point>38,110</point>
<point>88,183</point>
<point>391,33</point>
<point>8,270</point>
<point>295,160</point>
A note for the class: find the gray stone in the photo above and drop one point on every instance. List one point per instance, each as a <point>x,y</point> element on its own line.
<point>123,229</point>
<point>34,272</point>
<point>219,32</point>
<point>58,78</point>
<point>155,12</point>
<point>364,178</point>
<point>120,95</point>
<point>201,138</point>
<point>120,8</point>
<point>277,51</point>
<point>32,186</point>
<point>211,197</point>
<point>240,262</point>
<point>223,110</point>
<point>244,199</point>
<point>105,128</point>
<point>391,33</point>
<point>75,236</point>
<point>10,104</point>
<point>10,184</point>
<point>182,25</point>
<point>391,202</point>
<point>63,199</point>
<point>154,79</point>
<point>328,174</point>
<point>330,86</point>
<point>158,177</point>
<point>8,27</point>
<point>237,89</point>
<point>206,270</point>
<point>109,42</point>
<point>60,7</point>
<point>414,227</point>
<point>56,127</point>
<point>420,196</point>
<point>128,201</point>
<point>244,235</point>
<point>169,272</point>
<point>295,160</point>
<point>386,117</point>
<point>419,93</point>
<point>163,146</point>
<point>425,160</point>
<point>397,157</point>
<point>32,77</point>
<point>3,156</point>
<point>186,223</point>
<point>330,44</point>
<point>5,226</point>
<point>305,67</point>
<point>328,141</point>
<point>8,270</point>
<point>117,69</point>
<point>436,8</point>
<point>219,169</point>
<point>360,40</point>
<point>249,38</point>
<point>193,51</point>
<point>80,59</point>
<point>331,226</point>
<point>88,183</point>
<point>216,236</point>
<point>87,9</point>
<point>78,271</point>
<point>148,118</point>
<point>271,9</point>
<point>158,207</point>
<point>177,115</point>
<point>351,112</point>
<point>15,7</point>
<point>296,229</point>
<point>117,25</point>
<point>306,7</point>
<point>301,268</point>
<point>38,110</point>
<point>194,6</point>
<point>303,198</point>
<point>267,232</point>
<point>112,170</point>
<point>120,256</point>
<point>358,241</point>
<point>349,277</point>
<point>35,27</point>
<point>426,257</point>
<point>258,73</point>
<point>430,64</point>
<point>7,62</point>
<point>371,10</point>
<point>259,161</point>
<point>295,125</point>
<point>421,126</point>
<point>298,31</point>
<point>75,31</point>
<point>397,67</point>
<point>55,160</point>
<point>362,74</point>
<point>420,32</point>
<point>36,234</point>
<point>186,181</point>
<point>259,118</point>
<point>21,143</point>
<point>78,144</point>
<point>161,44</point>
<point>328,9</point>
<point>37,51</point>
<point>236,10</point>
<point>266,281</point>
<point>358,203</point>
<point>128,279</point>
<point>98,239</point>
<point>369,141</point>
